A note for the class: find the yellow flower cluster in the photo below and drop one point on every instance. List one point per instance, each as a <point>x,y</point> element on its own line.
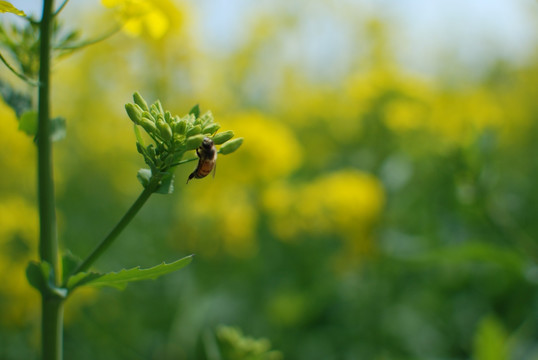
<point>18,245</point>
<point>270,151</point>
<point>345,203</point>
<point>154,17</point>
<point>18,221</point>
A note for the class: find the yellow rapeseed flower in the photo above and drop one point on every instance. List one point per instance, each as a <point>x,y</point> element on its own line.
<point>343,203</point>
<point>270,150</point>
<point>6,6</point>
<point>18,245</point>
<point>154,17</point>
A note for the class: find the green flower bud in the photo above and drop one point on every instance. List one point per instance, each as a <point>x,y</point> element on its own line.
<point>164,128</point>
<point>222,137</point>
<point>148,116</point>
<point>139,100</point>
<point>180,127</point>
<point>207,118</point>
<point>151,151</point>
<point>195,111</point>
<point>194,142</point>
<point>148,125</point>
<point>140,148</point>
<point>211,128</point>
<point>194,130</point>
<point>154,110</point>
<point>134,111</point>
<point>231,146</point>
<point>158,107</point>
<point>168,117</point>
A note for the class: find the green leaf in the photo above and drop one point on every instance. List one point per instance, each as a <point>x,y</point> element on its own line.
<point>20,102</point>
<point>167,185</point>
<point>40,276</point>
<point>509,261</point>
<point>28,122</point>
<point>119,280</point>
<point>69,263</point>
<point>195,111</point>
<point>6,6</point>
<point>57,128</point>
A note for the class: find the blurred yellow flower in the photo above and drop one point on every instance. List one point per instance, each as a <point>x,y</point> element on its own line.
<point>18,156</point>
<point>270,150</point>
<point>345,203</point>
<point>220,219</point>
<point>18,245</point>
<point>154,17</point>
<point>6,6</point>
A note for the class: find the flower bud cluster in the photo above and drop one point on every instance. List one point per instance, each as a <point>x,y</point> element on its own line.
<point>172,135</point>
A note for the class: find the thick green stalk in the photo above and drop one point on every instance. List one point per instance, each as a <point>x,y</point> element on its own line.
<point>52,307</point>
<point>124,221</point>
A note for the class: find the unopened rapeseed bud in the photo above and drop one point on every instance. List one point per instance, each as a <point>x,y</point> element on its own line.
<point>134,111</point>
<point>231,146</point>
<point>195,130</point>
<point>164,128</point>
<point>222,137</point>
<point>180,127</point>
<point>148,125</point>
<point>139,100</point>
<point>211,128</point>
<point>194,142</point>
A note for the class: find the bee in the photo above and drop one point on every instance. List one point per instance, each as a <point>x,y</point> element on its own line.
<point>207,153</point>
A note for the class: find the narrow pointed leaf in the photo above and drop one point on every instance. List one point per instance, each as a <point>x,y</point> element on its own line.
<point>195,111</point>
<point>69,263</point>
<point>119,280</point>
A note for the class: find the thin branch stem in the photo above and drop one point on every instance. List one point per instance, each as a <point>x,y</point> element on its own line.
<point>89,42</point>
<point>124,221</point>
<point>184,161</point>
<point>18,74</point>
<point>60,8</point>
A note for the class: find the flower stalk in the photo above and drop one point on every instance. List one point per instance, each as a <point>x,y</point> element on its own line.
<point>51,305</point>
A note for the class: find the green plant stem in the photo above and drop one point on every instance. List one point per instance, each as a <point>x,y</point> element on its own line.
<point>52,306</point>
<point>52,320</point>
<point>125,220</point>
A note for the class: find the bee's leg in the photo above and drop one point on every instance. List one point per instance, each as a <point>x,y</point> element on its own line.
<point>214,170</point>
<point>191,176</point>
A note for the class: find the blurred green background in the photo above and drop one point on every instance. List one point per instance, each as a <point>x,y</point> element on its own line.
<point>383,205</point>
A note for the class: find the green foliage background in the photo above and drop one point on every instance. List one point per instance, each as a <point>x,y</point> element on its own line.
<point>375,214</point>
